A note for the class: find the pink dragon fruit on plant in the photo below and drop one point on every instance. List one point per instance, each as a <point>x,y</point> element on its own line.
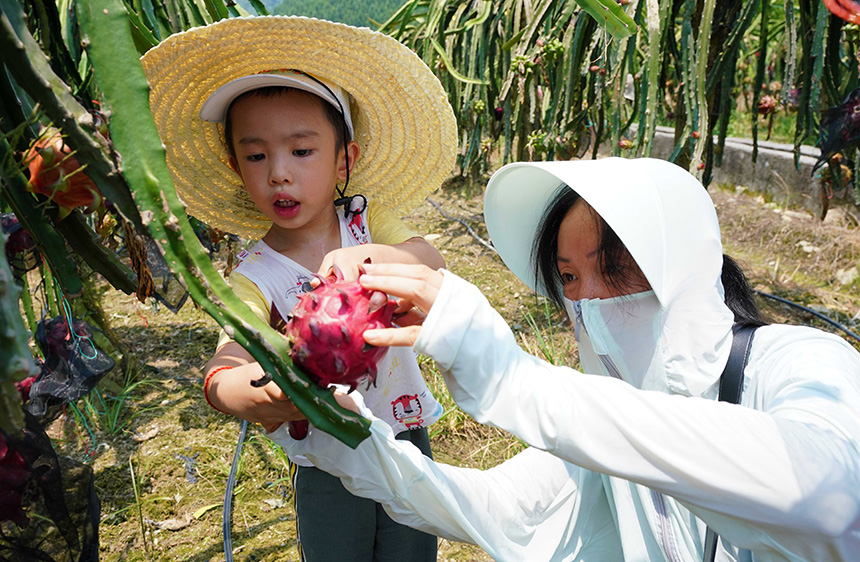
<point>15,477</point>
<point>326,332</point>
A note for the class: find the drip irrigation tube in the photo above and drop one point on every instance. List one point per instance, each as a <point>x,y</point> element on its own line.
<point>810,311</point>
<point>228,494</point>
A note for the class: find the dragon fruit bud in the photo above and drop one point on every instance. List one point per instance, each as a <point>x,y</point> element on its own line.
<point>767,105</point>
<point>326,329</point>
<point>24,387</point>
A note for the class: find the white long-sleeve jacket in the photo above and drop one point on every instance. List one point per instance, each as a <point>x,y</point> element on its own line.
<point>632,462</point>
<point>614,468</point>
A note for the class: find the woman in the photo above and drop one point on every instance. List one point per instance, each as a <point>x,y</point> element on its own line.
<point>635,459</point>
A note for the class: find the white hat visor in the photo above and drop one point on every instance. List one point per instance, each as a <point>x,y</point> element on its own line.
<point>620,190</point>
<point>215,108</point>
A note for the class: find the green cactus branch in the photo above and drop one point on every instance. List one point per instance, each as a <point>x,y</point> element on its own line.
<point>32,71</point>
<point>86,244</point>
<point>126,96</point>
<point>610,14</point>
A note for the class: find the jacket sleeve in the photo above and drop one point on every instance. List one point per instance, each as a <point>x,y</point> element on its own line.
<point>790,462</point>
<point>532,507</point>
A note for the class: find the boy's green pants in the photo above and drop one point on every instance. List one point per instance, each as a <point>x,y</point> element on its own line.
<point>335,526</point>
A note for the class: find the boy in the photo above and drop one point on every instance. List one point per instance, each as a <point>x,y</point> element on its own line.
<point>304,105</point>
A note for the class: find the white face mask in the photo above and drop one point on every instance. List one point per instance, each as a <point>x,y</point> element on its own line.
<point>620,337</point>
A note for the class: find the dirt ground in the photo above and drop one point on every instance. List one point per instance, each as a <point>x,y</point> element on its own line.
<point>161,469</point>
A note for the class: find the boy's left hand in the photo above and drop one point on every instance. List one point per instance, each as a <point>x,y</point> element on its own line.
<point>345,262</point>
<point>348,261</point>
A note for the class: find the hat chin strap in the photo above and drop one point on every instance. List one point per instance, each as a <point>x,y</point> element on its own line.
<point>344,199</point>
<point>346,202</point>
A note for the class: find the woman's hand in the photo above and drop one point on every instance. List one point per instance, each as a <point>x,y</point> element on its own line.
<point>417,287</point>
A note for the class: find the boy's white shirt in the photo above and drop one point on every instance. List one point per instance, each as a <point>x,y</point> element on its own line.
<point>400,396</point>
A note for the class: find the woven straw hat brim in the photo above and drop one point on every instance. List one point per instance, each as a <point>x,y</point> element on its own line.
<point>403,121</point>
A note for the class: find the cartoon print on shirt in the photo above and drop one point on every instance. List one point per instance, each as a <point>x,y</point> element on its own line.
<point>302,285</point>
<point>357,229</point>
<point>407,409</point>
<point>355,223</point>
<point>245,254</point>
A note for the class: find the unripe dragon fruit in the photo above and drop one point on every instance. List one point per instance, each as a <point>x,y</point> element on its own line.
<point>326,335</point>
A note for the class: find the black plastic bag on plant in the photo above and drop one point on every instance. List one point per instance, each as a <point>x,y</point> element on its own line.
<point>73,365</point>
<point>210,237</point>
<point>57,511</point>
<point>20,248</point>
<point>839,129</point>
<point>169,290</point>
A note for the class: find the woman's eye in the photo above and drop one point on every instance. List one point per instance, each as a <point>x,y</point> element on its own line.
<point>568,277</point>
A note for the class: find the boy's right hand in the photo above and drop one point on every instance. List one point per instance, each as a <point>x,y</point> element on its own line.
<point>230,390</point>
<point>275,409</point>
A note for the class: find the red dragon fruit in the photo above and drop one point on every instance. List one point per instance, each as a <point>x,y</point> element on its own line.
<point>326,335</point>
<point>14,478</point>
<point>56,173</point>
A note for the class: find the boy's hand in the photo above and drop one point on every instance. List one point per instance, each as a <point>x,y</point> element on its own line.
<point>231,390</point>
<point>266,405</point>
<point>276,409</point>
<point>344,263</point>
<point>349,261</point>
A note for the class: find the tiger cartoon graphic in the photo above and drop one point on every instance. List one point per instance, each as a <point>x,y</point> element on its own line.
<point>407,409</point>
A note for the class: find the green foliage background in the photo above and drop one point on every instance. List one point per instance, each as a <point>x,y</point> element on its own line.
<point>355,12</point>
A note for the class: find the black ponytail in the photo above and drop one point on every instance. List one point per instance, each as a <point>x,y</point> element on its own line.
<point>739,295</point>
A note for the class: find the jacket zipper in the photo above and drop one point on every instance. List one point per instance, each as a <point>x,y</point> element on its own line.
<point>664,528</point>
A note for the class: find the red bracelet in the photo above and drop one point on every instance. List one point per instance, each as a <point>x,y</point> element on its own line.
<point>206,385</point>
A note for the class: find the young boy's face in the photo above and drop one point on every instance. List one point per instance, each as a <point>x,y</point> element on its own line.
<point>285,155</point>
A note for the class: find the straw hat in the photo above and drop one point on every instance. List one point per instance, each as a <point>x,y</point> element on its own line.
<point>402,120</point>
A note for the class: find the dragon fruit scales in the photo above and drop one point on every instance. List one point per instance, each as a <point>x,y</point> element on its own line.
<point>326,332</point>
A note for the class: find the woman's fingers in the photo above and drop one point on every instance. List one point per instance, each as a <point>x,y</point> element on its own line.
<point>392,336</point>
<point>416,283</point>
<point>407,315</point>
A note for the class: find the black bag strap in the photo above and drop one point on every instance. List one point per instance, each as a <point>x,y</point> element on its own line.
<point>731,389</point>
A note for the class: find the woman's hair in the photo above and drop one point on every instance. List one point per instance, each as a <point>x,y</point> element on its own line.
<point>332,115</point>
<point>739,295</point>
<point>611,252</point>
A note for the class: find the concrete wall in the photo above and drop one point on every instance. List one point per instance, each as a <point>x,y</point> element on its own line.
<point>774,173</point>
